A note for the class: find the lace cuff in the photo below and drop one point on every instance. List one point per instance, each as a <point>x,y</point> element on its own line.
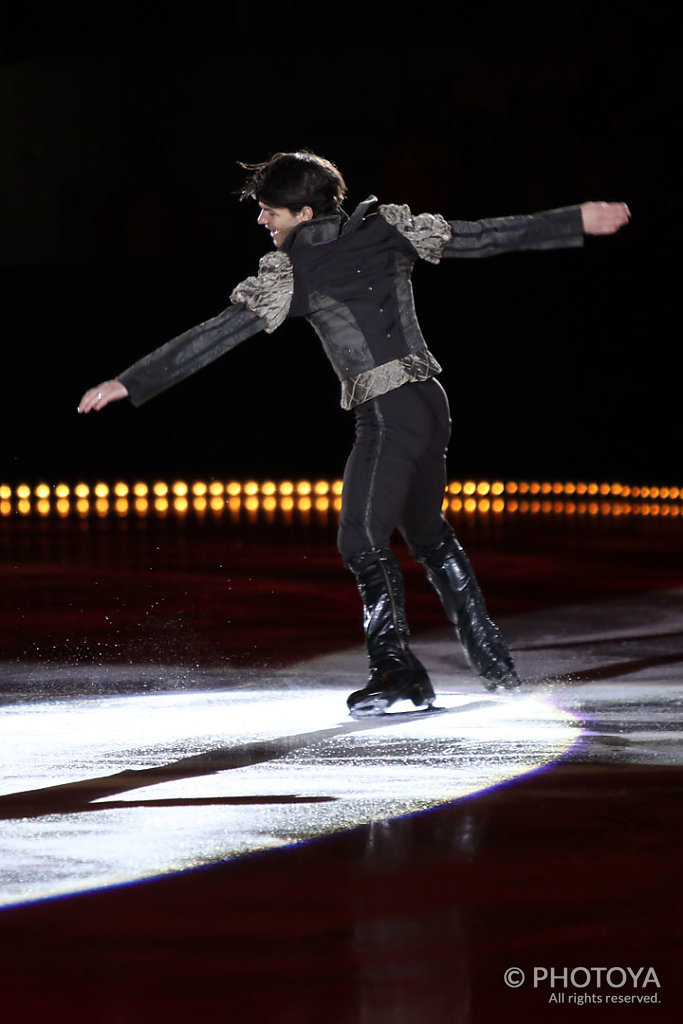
<point>269,294</point>
<point>428,233</point>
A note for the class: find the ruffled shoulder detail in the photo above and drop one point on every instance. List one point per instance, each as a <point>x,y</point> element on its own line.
<point>269,294</point>
<point>428,233</point>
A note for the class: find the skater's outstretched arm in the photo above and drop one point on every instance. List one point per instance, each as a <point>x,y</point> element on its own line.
<point>259,303</point>
<point>176,360</point>
<point>179,357</point>
<point>552,229</point>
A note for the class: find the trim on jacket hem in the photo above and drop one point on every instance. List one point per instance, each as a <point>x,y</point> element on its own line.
<point>379,380</point>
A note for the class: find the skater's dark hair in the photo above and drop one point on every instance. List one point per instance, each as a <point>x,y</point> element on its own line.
<point>295,180</point>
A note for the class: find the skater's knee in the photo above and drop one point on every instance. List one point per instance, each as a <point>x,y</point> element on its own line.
<point>359,562</point>
<point>424,545</point>
<point>353,541</point>
<point>347,548</point>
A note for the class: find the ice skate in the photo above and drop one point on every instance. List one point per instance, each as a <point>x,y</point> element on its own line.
<point>396,674</point>
<point>451,574</point>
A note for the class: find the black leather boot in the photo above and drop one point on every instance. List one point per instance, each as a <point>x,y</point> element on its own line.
<point>451,574</point>
<point>395,672</point>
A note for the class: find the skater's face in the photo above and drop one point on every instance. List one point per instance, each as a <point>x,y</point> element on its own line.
<point>279,220</point>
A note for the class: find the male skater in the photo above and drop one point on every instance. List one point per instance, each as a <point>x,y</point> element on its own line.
<point>350,278</point>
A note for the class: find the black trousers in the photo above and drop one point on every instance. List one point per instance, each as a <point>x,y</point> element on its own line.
<point>396,472</point>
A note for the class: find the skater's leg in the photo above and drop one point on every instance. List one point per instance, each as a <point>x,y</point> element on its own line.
<point>433,542</point>
<point>379,471</point>
<point>391,436</point>
<point>422,520</point>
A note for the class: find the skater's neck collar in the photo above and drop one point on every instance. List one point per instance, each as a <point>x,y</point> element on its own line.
<point>326,228</point>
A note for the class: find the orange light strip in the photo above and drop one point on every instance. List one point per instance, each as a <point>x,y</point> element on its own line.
<point>480,497</point>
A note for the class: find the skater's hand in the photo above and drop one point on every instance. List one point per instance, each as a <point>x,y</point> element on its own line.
<point>604,218</point>
<point>102,394</point>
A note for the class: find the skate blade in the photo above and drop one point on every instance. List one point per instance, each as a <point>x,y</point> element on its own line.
<point>370,708</point>
<point>509,683</point>
<point>378,706</point>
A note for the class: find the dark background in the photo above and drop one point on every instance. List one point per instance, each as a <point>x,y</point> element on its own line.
<point>122,131</point>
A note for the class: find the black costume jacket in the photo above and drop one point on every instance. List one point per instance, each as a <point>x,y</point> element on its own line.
<point>350,278</point>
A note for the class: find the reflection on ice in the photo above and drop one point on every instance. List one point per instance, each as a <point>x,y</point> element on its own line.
<point>100,791</point>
